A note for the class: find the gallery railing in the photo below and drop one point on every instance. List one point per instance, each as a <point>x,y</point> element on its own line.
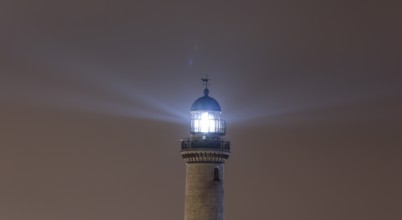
<point>209,143</point>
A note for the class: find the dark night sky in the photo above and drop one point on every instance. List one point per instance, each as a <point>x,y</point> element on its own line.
<point>95,96</point>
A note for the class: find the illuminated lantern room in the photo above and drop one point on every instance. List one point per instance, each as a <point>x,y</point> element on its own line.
<point>206,116</point>
<point>207,127</point>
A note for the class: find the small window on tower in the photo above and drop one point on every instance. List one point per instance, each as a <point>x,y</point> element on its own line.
<point>216,174</point>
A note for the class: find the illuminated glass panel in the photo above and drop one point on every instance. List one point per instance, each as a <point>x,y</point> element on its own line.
<point>207,122</point>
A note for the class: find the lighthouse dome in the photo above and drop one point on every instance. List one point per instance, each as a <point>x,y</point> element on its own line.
<point>205,103</point>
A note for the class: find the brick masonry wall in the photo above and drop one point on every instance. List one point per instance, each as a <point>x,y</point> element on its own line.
<point>204,193</point>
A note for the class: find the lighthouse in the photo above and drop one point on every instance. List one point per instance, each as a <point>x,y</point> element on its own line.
<point>205,153</point>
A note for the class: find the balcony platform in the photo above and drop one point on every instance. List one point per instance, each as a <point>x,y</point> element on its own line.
<point>195,144</point>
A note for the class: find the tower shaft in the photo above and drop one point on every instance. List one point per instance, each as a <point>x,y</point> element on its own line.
<point>204,191</point>
<point>204,178</point>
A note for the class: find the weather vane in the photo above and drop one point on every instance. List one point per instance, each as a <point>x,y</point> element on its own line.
<point>205,81</point>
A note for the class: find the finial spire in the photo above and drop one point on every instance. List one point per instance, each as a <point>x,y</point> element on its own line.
<point>205,82</point>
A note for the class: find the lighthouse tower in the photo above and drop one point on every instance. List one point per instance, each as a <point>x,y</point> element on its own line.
<point>205,153</point>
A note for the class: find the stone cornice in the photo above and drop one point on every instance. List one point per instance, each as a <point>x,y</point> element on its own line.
<point>205,156</point>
